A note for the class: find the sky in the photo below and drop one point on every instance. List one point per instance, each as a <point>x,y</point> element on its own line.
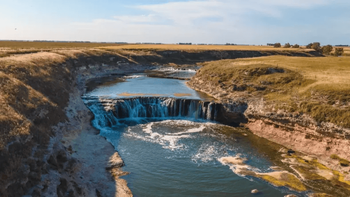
<point>173,21</point>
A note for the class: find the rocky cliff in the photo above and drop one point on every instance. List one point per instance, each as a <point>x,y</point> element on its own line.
<point>43,118</point>
<point>269,116</point>
<point>47,146</point>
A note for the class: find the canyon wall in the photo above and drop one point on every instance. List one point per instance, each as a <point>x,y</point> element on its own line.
<point>43,117</point>
<point>294,130</point>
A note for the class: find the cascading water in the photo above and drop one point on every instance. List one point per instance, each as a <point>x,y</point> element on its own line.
<point>112,112</point>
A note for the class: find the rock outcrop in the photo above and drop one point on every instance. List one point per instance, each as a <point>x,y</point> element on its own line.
<point>294,130</point>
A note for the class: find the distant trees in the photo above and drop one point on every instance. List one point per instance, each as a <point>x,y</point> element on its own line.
<point>309,46</point>
<point>327,49</point>
<point>338,51</point>
<point>316,46</point>
<point>277,45</point>
<point>287,45</point>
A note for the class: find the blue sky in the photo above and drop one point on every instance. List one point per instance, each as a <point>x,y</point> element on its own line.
<point>173,21</point>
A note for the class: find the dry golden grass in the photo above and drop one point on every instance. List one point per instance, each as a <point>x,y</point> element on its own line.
<point>49,45</point>
<point>325,70</point>
<point>318,86</point>
<point>10,48</point>
<point>200,47</point>
<point>347,51</point>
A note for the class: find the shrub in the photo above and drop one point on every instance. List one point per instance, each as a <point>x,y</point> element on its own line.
<point>277,45</point>
<point>287,45</point>
<point>295,46</point>
<point>327,49</point>
<point>309,46</point>
<point>316,46</point>
<point>338,51</point>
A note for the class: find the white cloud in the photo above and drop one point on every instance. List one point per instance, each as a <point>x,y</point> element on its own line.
<point>185,12</point>
<point>137,19</point>
<point>203,21</point>
<point>305,4</point>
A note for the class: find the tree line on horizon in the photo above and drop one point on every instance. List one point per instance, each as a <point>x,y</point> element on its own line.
<point>326,49</point>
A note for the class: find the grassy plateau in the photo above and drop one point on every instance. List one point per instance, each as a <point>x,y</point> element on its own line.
<point>319,86</point>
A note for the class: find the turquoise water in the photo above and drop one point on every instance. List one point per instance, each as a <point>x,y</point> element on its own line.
<point>141,85</point>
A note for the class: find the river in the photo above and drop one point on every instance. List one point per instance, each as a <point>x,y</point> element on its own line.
<point>166,134</point>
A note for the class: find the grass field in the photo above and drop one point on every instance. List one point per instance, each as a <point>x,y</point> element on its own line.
<point>5,45</point>
<point>8,48</point>
<point>201,47</point>
<point>319,86</point>
<point>347,51</point>
<point>49,45</point>
<point>12,45</point>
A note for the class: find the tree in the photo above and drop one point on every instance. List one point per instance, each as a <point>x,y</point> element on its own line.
<point>309,46</point>
<point>327,49</point>
<point>316,46</point>
<point>277,45</point>
<point>295,46</point>
<point>287,45</point>
<point>338,51</point>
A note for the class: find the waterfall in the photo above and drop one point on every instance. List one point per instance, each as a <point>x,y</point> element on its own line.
<point>113,112</point>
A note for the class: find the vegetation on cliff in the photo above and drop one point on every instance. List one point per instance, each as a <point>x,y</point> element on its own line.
<point>34,92</point>
<point>318,86</point>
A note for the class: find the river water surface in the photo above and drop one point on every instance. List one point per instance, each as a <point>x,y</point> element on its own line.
<point>169,154</point>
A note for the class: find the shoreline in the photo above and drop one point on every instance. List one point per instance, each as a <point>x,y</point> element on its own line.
<point>95,154</point>
<point>84,142</point>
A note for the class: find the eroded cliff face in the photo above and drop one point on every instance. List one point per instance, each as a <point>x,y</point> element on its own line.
<point>47,146</point>
<point>294,130</point>
<point>42,120</point>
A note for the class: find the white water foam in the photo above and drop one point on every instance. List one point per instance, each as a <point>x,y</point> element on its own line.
<point>177,70</point>
<point>133,76</point>
<point>205,153</point>
<point>237,164</point>
<point>187,123</point>
<point>167,140</point>
<point>210,152</point>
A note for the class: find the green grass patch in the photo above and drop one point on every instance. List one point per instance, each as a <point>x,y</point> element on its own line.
<point>308,173</point>
<point>286,180</point>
